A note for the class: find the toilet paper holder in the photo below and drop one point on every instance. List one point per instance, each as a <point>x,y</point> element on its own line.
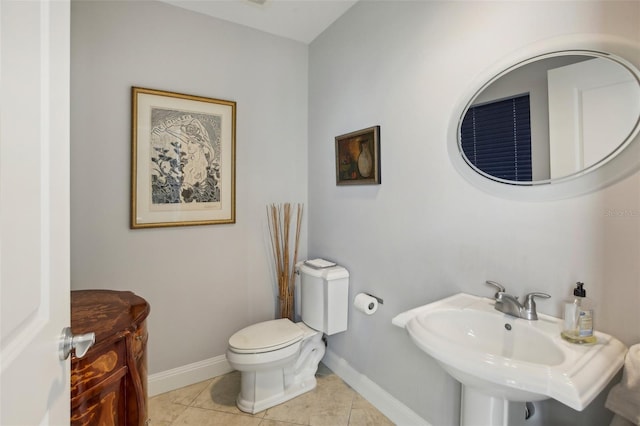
<point>366,303</point>
<point>375,297</point>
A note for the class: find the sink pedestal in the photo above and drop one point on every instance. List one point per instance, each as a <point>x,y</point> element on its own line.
<point>478,408</point>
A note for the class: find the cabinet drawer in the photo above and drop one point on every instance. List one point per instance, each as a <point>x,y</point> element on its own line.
<point>97,365</point>
<point>101,405</point>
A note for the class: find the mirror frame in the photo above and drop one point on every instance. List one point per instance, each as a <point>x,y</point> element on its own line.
<point>620,163</point>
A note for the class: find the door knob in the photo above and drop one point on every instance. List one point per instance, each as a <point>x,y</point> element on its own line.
<point>79,343</point>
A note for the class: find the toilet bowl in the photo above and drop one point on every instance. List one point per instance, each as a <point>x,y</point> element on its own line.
<point>278,359</point>
<point>278,369</point>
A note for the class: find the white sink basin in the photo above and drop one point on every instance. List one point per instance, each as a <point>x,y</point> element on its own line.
<point>511,358</point>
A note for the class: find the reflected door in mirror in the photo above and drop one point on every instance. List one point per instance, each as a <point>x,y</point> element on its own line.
<point>593,106</point>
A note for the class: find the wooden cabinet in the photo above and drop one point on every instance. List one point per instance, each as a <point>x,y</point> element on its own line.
<point>109,384</point>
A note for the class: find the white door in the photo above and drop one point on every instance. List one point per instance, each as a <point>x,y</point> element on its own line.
<point>34,211</point>
<point>593,107</point>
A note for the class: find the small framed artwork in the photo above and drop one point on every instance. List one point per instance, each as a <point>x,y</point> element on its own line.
<point>182,159</point>
<point>358,157</point>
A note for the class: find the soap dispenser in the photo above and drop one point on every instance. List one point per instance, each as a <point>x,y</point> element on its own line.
<point>578,317</point>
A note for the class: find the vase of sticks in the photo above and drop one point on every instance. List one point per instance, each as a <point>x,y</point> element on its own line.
<point>284,245</point>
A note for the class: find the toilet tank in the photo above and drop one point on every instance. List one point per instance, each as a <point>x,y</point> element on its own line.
<point>324,297</point>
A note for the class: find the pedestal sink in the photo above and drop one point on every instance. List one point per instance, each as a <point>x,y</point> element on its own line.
<point>500,358</point>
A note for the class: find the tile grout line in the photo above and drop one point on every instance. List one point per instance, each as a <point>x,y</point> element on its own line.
<point>195,398</point>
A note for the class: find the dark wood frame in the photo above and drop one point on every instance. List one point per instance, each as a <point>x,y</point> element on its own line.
<point>358,157</point>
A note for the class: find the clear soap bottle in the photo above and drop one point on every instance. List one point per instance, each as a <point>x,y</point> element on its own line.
<point>578,317</point>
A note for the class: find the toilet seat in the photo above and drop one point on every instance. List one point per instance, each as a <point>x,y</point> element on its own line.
<point>266,336</point>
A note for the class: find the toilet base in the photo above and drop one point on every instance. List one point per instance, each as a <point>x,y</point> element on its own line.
<point>255,406</point>
<point>260,390</point>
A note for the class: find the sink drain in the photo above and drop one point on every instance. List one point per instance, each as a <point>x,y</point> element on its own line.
<point>507,326</point>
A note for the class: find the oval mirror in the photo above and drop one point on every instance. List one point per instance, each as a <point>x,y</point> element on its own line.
<point>551,118</point>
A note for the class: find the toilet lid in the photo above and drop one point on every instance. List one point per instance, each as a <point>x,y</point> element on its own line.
<point>266,336</point>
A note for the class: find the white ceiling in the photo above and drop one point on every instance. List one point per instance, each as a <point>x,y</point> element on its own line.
<point>301,20</point>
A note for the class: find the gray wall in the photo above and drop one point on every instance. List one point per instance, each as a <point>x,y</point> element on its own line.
<point>203,282</point>
<point>426,233</point>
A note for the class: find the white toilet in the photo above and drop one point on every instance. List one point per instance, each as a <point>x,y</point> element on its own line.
<point>278,359</point>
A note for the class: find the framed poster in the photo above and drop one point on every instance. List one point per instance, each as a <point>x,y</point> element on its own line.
<point>182,159</point>
<point>358,157</point>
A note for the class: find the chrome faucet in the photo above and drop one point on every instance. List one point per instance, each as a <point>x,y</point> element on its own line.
<point>510,305</point>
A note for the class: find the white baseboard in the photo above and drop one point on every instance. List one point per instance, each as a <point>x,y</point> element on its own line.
<point>186,375</point>
<point>396,411</point>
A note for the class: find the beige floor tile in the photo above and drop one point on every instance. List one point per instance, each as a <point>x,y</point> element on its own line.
<point>194,416</point>
<point>163,413</point>
<point>212,403</point>
<point>328,404</point>
<point>365,414</point>
<point>364,417</point>
<point>360,402</point>
<point>185,395</point>
<point>221,395</point>
<point>331,390</point>
<point>267,422</point>
<point>330,419</point>
<point>157,423</point>
<point>332,402</point>
<point>296,410</point>
<point>166,407</point>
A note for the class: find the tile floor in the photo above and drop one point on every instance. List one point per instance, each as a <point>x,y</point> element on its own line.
<point>212,403</point>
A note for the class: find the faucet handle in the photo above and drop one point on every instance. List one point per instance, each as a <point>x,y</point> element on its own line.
<point>529,297</point>
<point>498,286</point>
<point>530,304</point>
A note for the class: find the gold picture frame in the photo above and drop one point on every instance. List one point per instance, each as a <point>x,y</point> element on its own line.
<point>358,157</point>
<point>183,152</point>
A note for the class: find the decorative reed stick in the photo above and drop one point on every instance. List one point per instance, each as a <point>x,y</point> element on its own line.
<point>279,219</point>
